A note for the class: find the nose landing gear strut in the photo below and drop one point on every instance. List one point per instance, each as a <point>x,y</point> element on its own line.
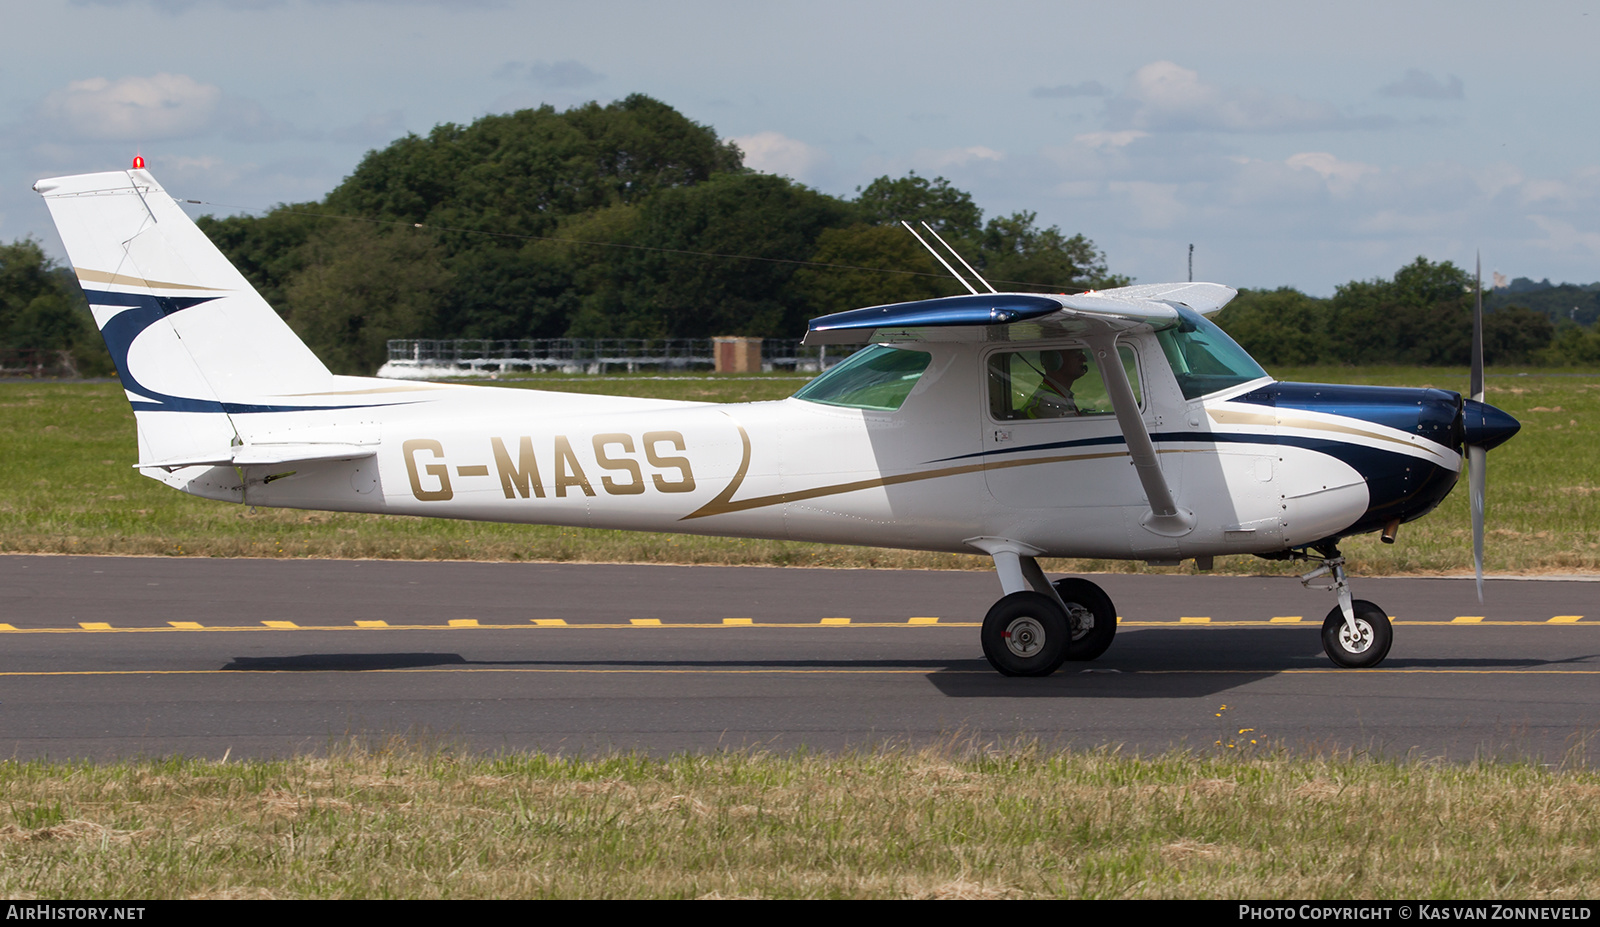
<point>1356,633</point>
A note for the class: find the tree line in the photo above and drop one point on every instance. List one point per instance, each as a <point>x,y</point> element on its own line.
<point>1420,316</point>
<point>631,221</point>
<point>620,221</point>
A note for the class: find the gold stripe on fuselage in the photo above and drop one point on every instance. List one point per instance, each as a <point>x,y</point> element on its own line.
<point>724,504</point>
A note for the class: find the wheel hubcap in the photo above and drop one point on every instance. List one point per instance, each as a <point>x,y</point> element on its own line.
<point>1360,641</point>
<point>1024,637</point>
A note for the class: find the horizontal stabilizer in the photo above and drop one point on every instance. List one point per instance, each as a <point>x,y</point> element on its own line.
<point>252,455</point>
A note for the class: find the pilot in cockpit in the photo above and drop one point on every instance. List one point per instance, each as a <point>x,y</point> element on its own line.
<point>1053,398</point>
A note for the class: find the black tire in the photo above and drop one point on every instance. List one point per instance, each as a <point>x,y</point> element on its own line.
<point>1025,634</point>
<point>1370,649</point>
<point>1090,614</point>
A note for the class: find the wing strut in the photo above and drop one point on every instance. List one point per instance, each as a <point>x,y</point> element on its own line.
<point>1165,518</point>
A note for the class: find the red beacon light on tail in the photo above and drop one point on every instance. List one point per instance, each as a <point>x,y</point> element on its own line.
<point>138,162</point>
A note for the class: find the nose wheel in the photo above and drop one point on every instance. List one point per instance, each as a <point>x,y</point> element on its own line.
<point>1361,643</point>
<point>1356,634</point>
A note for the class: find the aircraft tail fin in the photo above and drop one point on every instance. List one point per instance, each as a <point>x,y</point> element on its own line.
<point>193,342</point>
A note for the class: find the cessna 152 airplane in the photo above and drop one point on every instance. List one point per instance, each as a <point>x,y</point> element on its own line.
<point>1112,424</point>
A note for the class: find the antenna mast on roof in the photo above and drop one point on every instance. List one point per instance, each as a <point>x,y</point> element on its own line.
<point>959,257</point>
<point>941,259</point>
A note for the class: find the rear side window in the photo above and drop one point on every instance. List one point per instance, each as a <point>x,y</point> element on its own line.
<point>877,378</point>
<point>1053,383</point>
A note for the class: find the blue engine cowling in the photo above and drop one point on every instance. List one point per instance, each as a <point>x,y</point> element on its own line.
<point>1400,487</point>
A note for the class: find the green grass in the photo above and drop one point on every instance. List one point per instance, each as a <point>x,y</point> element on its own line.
<point>70,488</point>
<point>403,822</point>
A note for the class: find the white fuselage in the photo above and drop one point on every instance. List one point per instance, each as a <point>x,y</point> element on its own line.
<point>934,474</point>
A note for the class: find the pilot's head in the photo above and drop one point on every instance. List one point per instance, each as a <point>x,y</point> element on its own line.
<point>1064,366</point>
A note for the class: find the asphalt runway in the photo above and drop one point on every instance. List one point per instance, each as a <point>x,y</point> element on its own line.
<point>108,656</point>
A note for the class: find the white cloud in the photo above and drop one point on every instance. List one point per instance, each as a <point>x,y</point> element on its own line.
<point>162,106</point>
<point>776,153</point>
<point>1341,176</point>
<point>1424,86</point>
<point>1166,97</point>
<point>1109,140</point>
<point>1563,236</point>
<point>1154,205</point>
<point>941,158</point>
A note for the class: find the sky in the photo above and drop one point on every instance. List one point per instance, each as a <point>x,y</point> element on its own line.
<point>1300,145</point>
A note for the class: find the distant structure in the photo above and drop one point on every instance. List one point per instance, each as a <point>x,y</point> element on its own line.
<point>418,359</point>
<point>1500,281</point>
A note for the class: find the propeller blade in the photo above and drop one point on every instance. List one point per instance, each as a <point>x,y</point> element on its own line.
<point>1477,454</point>
<point>1477,462</point>
<point>1477,337</point>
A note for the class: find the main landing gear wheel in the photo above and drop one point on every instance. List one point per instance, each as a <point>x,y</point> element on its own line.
<point>1364,649</point>
<point>1091,615</point>
<point>1026,634</point>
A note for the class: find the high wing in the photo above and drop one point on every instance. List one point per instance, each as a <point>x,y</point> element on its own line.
<point>1097,317</point>
<point>1021,316</point>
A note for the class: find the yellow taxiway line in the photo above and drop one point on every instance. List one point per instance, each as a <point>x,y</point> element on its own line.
<point>456,624</point>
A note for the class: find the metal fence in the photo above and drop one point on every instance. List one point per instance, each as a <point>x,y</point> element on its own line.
<point>33,364</point>
<point>415,359</point>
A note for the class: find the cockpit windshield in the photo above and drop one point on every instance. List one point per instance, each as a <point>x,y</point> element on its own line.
<point>1203,357</point>
<point>877,377</point>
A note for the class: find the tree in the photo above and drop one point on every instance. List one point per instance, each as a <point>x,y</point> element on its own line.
<point>729,249</point>
<point>43,309</point>
<point>914,199</point>
<point>1422,316</point>
<point>624,220</point>
<point>878,248</point>
<point>359,288</point>
<point>520,172</point>
<point>270,249</point>
<point>1515,335</point>
<point>1015,252</point>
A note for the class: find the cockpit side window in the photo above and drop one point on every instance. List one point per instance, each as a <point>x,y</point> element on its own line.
<point>1048,383</point>
<point>1204,358</point>
<point>878,378</point>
